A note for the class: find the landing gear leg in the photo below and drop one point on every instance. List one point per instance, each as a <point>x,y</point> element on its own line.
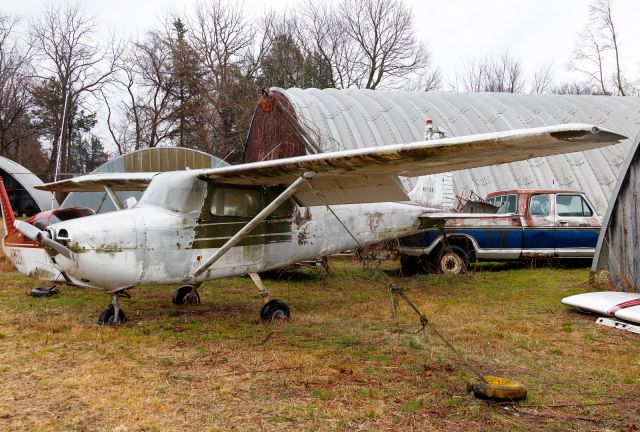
<point>113,315</point>
<point>272,309</point>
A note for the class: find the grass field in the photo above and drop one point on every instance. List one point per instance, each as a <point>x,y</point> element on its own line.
<point>340,363</point>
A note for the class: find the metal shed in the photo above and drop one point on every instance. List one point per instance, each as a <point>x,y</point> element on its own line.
<point>146,160</point>
<point>20,182</point>
<point>347,119</point>
<point>618,248</point>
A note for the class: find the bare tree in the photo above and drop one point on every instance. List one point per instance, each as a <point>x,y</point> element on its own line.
<point>15,99</point>
<point>491,74</point>
<point>602,17</point>
<point>384,34</point>
<point>231,48</point>
<point>588,58</point>
<point>596,44</point>
<point>542,80</point>
<point>367,43</point>
<point>63,40</point>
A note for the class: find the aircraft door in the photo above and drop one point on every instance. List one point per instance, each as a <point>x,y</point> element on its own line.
<point>226,210</point>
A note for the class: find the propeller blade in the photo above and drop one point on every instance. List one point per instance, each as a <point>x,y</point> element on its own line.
<point>42,238</point>
<point>52,244</point>
<point>28,230</point>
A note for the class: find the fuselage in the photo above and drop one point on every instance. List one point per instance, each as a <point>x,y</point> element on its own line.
<point>151,245</point>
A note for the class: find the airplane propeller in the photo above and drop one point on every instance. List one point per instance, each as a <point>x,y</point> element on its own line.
<point>42,238</point>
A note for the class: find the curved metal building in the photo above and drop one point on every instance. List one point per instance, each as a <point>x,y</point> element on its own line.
<point>618,249</point>
<point>346,119</point>
<point>146,160</point>
<point>20,182</point>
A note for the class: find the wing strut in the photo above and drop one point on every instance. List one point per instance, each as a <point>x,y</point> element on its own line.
<point>245,230</point>
<point>114,198</point>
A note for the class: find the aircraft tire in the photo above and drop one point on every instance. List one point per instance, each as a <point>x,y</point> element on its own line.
<point>107,317</point>
<point>453,260</point>
<point>275,310</point>
<point>497,389</point>
<point>180,296</point>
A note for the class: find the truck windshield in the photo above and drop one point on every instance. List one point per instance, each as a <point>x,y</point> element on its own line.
<point>506,203</point>
<point>180,192</point>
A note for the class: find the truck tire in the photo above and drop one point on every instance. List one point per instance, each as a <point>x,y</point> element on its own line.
<point>453,260</point>
<point>408,264</point>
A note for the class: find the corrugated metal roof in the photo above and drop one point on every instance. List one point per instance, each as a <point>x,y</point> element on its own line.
<point>618,249</point>
<point>346,119</point>
<point>28,180</point>
<point>146,160</point>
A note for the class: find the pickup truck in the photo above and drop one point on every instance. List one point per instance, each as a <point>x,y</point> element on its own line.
<point>528,224</point>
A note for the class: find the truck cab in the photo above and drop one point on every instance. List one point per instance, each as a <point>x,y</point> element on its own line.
<point>528,224</point>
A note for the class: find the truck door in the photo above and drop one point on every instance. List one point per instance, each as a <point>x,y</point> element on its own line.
<point>539,229</point>
<point>577,226</point>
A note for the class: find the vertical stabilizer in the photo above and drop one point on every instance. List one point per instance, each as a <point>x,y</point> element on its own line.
<point>8,217</point>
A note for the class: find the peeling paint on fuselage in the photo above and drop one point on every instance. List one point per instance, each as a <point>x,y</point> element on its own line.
<point>150,245</point>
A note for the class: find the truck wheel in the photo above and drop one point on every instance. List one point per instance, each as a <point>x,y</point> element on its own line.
<point>408,265</point>
<point>453,260</point>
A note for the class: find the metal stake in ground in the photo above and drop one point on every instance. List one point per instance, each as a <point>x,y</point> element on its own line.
<point>485,386</point>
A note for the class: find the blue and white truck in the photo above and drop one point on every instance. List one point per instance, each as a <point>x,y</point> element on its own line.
<point>529,224</point>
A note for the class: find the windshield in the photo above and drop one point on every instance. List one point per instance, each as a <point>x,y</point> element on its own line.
<point>181,192</point>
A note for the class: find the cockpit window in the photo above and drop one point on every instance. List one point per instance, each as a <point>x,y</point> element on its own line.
<point>179,192</point>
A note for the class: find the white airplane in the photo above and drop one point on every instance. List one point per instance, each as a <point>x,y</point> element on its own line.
<point>198,225</point>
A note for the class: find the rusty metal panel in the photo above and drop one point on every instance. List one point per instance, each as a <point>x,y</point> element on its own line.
<point>271,135</point>
<point>347,119</point>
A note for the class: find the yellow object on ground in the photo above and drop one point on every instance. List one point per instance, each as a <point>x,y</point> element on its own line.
<point>497,388</point>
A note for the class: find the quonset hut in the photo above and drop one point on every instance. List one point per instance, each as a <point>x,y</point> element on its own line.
<point>293,122</point>
<point>148,160</point>
<point>19,182</point>
<point>618,248</point>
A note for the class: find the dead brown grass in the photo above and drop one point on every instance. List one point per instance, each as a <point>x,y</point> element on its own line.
<point>341,363</point>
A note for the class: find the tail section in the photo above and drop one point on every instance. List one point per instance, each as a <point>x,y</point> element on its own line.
<point>7,212</point>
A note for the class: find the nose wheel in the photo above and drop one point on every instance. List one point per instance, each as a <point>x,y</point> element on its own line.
<point>113,315</point>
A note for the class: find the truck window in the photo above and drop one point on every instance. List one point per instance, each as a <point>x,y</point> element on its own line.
<point>506,203</point>
<point>539,205</point>
<point>572,205</point>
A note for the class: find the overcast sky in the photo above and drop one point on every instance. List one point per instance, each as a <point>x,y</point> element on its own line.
<point>537,31</point>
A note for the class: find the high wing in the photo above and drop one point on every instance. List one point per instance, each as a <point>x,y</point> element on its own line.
<point>97,182</point>
<point>369,174</point>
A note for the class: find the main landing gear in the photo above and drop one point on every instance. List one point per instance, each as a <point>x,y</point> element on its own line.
<point>272,310</point>
<point>113,315</point>
<point>187,295</point>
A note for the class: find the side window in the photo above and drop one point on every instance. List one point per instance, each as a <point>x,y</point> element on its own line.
<point>236,202</point>
<point>539,205</point>
<point>506,203</point>
<point>572,205</point>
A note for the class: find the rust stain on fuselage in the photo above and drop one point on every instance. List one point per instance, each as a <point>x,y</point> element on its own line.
<point>300,219</point>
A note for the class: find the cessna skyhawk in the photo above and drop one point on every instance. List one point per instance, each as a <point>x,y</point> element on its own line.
<point>197,225</point>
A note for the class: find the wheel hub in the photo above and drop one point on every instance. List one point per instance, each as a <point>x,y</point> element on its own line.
<point>451,263</point>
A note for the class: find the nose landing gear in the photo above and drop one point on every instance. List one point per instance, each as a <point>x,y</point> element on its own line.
<point>113,315</point>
